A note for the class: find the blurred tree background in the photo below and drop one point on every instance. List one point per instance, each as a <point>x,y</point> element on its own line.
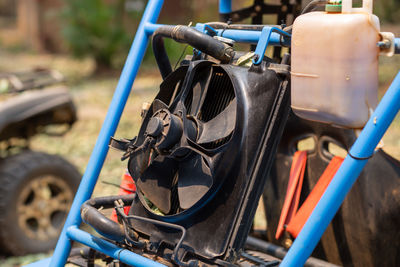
<point>388,10</point>
<point>103,29</point>
<point>95,28</point>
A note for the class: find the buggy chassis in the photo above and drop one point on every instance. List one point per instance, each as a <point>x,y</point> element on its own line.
<point>323,213</point>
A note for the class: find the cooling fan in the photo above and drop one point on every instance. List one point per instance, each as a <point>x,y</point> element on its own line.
<point>202,154</point>
<point>178,143</point>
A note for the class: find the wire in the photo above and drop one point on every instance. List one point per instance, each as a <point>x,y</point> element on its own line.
<point>313,4</point>
<point>119,205</point>
<point>180,57</point>
<point>309,8</point>
<point>116,185</point>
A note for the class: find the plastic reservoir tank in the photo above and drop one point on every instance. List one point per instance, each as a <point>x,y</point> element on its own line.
<point>335,65</point>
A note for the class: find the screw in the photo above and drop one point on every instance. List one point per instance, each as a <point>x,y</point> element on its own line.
<point>385,44</point>
<point>288,242</point>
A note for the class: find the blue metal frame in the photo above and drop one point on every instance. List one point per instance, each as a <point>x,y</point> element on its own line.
<point>264,40</point>
<point>320,217</point>
<point>110,249</point>
<point>225,6</point>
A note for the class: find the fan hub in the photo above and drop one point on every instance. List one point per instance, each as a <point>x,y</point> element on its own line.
<point>166,128</point>
<point>155,127</point>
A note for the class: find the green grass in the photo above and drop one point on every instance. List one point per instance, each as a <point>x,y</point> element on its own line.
<point>23,260</point>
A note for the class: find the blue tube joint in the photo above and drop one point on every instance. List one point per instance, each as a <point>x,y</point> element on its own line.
<point>225,6</point>
<point>397,45</point>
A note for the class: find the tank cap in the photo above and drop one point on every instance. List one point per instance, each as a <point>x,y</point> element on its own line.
<point>334,6</point>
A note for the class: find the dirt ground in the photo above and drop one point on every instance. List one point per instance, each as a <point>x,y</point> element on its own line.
<point>93,95</point>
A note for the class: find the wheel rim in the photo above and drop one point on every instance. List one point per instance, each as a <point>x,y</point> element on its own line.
<point>43,206</point>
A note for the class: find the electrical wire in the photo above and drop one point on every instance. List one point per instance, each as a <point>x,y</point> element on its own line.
<point>180,57</point>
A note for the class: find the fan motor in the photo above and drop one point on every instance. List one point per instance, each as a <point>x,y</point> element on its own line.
<point>165,127</point>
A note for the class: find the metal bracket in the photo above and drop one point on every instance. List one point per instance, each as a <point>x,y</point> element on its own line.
<point>264,41</point>
<point>207,29</point>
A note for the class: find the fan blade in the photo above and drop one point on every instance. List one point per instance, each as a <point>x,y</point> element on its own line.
<point>158,104</point>
<point>157,180</point>
<point>200,91</point>
<point>138,162</point>
<point>194,180</point>
<point>220,126</point>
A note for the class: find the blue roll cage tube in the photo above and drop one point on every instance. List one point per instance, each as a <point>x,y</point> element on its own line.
<point>323,213</point>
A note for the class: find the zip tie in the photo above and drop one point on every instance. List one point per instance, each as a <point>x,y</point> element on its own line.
<point>119,252</point>
<point>359,158</point>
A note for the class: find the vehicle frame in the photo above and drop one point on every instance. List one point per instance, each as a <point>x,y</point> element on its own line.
<point>323,213</point>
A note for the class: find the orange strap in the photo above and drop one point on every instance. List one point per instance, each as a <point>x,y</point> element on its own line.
<point>292,197</point>
<point>296,224</point>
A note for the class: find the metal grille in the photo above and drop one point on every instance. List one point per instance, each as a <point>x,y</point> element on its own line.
<point>219,94</point>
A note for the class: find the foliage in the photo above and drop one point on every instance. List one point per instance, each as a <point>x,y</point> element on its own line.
<point>23,260</point>
<point>95,28</point>
<point>388,10</point>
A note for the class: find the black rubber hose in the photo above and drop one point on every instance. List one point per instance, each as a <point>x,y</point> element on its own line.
<point>279,252</point>
<point>103,225</point>
<point>309,8</point>
<point>188,35</point>
<point>313,4</point>
<point>161,56</point>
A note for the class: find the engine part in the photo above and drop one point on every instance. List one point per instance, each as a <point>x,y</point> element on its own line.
<point>198,161</point>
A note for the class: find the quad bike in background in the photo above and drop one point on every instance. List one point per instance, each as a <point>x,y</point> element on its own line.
<point>36,188</point>
<point>206,146</point>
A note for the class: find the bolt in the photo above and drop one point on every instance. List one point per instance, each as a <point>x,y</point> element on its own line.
<point>385,44</point>
<point>288,242</point>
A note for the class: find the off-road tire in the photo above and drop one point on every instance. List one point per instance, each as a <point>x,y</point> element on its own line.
<point>16,172</point>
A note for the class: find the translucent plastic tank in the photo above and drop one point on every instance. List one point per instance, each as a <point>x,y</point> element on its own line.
<point>335,65</point>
